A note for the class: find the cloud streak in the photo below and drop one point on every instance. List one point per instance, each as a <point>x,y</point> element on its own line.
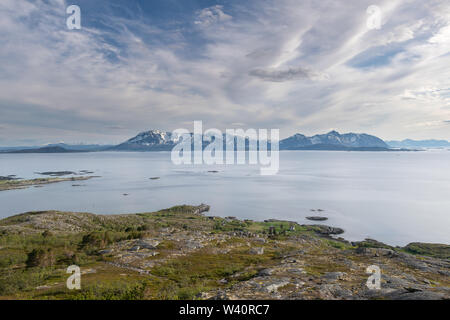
<point>288,74</point>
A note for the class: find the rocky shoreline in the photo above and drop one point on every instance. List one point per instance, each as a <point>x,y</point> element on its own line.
<point>180,253</point>
<point>15,183</point>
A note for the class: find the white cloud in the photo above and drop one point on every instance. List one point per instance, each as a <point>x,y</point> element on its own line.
<point>214,14</point>
<point>64,84</point>
<point>428,94</point>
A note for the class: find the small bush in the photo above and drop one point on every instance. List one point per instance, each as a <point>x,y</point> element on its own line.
<point>40,258</point>
<point>47,234</point>
<point>96,239</point>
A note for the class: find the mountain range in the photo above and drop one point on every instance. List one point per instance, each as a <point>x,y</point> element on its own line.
<point>408,143</point>
<point>158,140</point>
<point>332,140</point>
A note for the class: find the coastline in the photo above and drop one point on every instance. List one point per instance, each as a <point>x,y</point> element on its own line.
<point>14,184</point>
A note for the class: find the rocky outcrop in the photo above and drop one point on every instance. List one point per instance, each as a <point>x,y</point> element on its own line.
<point>325,230</point>
<point>201,209</point>
<point>11,184</point>
<point>317,218</point>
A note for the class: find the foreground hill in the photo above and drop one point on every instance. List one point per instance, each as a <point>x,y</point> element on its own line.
<point>179,253</point>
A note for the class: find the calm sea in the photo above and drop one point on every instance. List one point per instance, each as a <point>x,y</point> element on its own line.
<point>395,197</point>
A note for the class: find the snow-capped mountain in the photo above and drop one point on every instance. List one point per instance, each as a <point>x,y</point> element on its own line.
<point>152,140</point>
<point>332,140</point>
<point>152,137</point>
<point>157,140</point>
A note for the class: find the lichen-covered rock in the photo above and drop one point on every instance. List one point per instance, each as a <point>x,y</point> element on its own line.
<point>257,250</point>
<point>147,243</point>
<point>333,276</point>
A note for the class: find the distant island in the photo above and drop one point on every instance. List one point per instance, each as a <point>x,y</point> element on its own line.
<point>426,144</point>
<point>55,148</point>
<point>47,149</point>
<point>157,140</point>
<point>333,140</point>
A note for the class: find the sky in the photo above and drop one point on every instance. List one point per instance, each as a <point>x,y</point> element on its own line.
<point>300,66</point>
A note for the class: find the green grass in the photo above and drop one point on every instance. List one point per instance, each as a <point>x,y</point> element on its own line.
<point>200,271</point>
<point>429,249</point>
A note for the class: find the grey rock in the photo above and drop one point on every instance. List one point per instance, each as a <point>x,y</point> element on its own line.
<point>444,272</point>
<point>106,251</point>
<point>317,218</point>
<point>415,295</point>
<point>259,240</point>
<point>192,245</point>
<point>43,287</point>
<point>362,250</point>
<point>327,230</point>
<point>265,272</point>
<point>88,271</point>
<point>333,276</point>
<point>257,250</point>
<point>275,285</point>
<point>297,271</point>
<point>334,291</point>
<point>147,243</point>
<point>220,295</point>
<point>146,254</point>
<point>386,252</point>
<point>202,208</point>
<point>395,282</point>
